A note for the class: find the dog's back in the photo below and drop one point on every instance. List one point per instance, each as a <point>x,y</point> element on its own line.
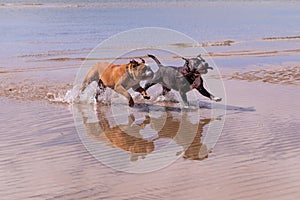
<point>94,74</point>
<point>169,76</point>
<point>112,74</point>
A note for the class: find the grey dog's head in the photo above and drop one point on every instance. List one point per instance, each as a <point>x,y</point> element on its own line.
<point>196,65</point>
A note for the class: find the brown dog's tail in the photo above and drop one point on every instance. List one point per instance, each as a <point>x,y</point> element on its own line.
<point>155,59</point>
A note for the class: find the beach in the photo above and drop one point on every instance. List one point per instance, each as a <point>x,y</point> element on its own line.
<point>53,148</point>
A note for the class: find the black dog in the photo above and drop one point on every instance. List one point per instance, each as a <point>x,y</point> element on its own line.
<point>182,79</point>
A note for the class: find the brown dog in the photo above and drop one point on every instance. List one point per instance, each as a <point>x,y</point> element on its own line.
<point>120,78</point>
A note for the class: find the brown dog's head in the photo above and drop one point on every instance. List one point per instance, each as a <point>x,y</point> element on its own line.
<point>140,70</point>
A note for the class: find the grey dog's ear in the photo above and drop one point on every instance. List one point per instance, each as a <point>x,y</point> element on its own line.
<point>199,56</point>
<point>185,59</point>
<point>143,61</point>
<point>186,63</point>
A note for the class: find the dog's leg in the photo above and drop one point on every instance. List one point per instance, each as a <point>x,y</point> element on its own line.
<point>83,86</point>
<point>101,85</point>
<point>184,98</point>
<point>141,90</point>
<point>96,96</point>
<point>205,93</point>
<point>90,77</point>
<point>121,90</point>
<point>148,85</point>
<point>165,90</point>
<point>102,88</point>
<point>155,80</point>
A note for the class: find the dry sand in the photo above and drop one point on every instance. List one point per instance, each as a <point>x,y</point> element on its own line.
<point>256,157</point>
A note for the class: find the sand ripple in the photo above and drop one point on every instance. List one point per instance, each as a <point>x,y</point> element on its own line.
<point>284,76</point>
<point>282,38</point>
<point>32,90</point>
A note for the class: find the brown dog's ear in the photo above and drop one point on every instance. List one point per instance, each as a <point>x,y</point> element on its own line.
<point>134,63</point>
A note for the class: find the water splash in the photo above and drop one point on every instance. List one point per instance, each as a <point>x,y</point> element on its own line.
<point>69,97</point>
<point>171,96</point>
<point>74,95</point>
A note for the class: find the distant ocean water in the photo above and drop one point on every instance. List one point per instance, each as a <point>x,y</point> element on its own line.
<point>33,33</point>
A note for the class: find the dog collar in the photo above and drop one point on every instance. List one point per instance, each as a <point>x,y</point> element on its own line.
<point>185,72</point>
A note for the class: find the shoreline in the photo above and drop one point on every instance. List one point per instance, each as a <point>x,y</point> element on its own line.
<point>26,87</point>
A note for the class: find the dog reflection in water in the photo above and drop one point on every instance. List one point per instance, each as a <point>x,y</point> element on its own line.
<point>128,138</point>
<point>189,138</point>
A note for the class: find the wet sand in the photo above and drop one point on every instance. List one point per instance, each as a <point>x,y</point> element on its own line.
<point>288,75</point>
<point>256,157</point>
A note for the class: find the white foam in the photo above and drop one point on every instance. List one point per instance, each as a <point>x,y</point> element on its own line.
<point>87,96</point>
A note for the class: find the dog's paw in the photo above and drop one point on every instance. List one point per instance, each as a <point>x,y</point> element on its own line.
<point>131,103</point>
<point>146,97</point>
<point>160,98</point>
<point>186,107</point>
<point>217,99</point>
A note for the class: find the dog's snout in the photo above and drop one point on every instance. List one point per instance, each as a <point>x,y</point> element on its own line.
<point>149,73</point>
<point>206,66</point>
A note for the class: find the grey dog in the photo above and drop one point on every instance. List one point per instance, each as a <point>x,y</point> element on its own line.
<point>182,79</point>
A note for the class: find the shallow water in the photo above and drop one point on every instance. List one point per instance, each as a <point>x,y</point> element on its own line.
<point>256,156</point>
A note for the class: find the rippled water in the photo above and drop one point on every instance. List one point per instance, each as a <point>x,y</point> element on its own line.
<point>256,157</point>
<point>59,37</point>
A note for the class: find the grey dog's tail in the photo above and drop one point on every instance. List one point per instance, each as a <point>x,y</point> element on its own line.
<point>155,59</point>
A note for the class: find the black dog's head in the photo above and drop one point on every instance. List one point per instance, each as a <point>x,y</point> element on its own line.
<point>196,65</point>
